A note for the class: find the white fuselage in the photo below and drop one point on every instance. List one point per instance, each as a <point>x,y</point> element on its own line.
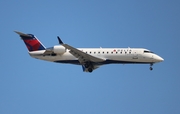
<point>89,58</point>
<point>112,55</point>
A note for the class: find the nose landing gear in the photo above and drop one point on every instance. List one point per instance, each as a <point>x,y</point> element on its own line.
<point>151,68</point>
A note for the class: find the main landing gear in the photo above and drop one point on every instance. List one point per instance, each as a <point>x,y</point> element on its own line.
<point>151,68</point>
<point>89,67</point>
<point>90,70</point>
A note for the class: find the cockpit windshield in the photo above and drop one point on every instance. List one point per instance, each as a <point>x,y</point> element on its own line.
<point>147,51</point>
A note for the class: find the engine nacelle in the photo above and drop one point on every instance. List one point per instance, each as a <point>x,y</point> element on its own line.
<point>59,49</point>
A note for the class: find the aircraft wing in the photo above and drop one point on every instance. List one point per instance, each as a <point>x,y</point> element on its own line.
<point>82,56</point>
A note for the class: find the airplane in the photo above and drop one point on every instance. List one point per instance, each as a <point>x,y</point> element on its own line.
<point>89,58</point>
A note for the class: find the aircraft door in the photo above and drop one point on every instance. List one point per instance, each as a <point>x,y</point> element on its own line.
<point>135,56</point>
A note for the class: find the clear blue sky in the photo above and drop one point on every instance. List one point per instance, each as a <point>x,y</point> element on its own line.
<point>30,86</point>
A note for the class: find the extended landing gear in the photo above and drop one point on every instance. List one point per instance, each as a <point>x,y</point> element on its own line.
<point>151,68</point>
<point>89,67</point>
<point>90,70</point>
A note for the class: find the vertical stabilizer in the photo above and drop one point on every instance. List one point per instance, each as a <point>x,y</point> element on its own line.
<point>31,42</point>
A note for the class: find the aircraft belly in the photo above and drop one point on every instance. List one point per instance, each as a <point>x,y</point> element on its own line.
<point>115,58</point>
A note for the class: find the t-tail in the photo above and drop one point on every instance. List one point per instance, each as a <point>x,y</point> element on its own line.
<point>31,42</point>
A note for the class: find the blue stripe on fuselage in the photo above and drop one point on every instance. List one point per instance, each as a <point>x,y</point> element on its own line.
<point>76,62</point>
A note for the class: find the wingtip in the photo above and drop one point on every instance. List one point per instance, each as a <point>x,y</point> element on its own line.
<point>59,39</point>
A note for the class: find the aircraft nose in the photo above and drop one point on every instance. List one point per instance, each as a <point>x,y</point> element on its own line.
<point>158,58</point>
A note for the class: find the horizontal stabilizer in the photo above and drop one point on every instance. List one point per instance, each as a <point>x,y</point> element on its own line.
<point>22,34</point>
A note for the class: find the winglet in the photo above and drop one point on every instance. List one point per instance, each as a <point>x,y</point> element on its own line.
<point>60,41</point>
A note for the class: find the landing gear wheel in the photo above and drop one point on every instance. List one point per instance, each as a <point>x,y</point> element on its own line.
<point>151,68</point>
<point>90,69</point>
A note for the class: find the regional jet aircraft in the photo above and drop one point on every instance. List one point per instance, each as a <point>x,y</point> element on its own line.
<point>89,58</point>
